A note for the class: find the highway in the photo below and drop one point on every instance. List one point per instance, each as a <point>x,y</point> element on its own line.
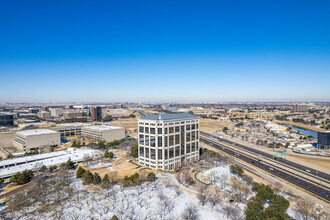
<point>324,177</point>
<point>309,185</point>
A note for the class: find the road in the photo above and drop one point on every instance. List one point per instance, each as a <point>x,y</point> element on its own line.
<point>310,186</point>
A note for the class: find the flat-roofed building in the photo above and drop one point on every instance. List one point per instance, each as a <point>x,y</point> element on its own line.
<point>38,138</point>
<point>36,125</point>
<point>69,129</point>
<point>56,112</point>
<point>323,139</point>
<point>72,114</point>
<point>300,108</point>
<point>6,119</point>
<point>44,114</point>
<point>168,141</point>
<point>103,132</point>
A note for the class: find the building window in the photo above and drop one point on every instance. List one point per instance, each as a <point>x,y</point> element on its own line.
<point>141,138</point>
<point>171,152</point>
<point>153,154</point>
<point>171,130</point>
<point>188,137</point>
<point>177,139</point>
<point>152,141</point>
<point>193,147</point>
<point>188,148</point>
<point>147,152</point>
<point>171,141</point>
<point>177,151</point>
<point>152,131</point>
<point>147,140</point>
<point>160,130</point>
<point>141,129</point>
<point>166,141</point>
<point>193,135</point>
<point>188,127</point>
<point>160,141</point>
<point>141,151</point>
<point>166,154</point>
<point>193,127</point>
<point>177,129</point>
<point>165,130</point>
<point>182,149</point>
<point>146,130</point>
<point>160,154</point>
<point>197,126</point>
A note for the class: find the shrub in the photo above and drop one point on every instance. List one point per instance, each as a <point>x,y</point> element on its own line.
<point>96,179</point>
<point>132,180</point>
<point>237,170</point>
<point>80,172</point>
<point>108,154</point>
<point>134,151</point>
<point>114,218</point>
<point>68,165</point>
<point>87,177</point>
<point>105,182</point>
<point>151,176</point>
<point>52,168</point>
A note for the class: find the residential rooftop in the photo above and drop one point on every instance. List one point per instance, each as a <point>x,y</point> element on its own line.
<point>36,132</point>
<point>169,117</point>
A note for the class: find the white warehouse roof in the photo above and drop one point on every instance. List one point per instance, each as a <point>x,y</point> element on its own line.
<point>36,132</point>
<point>102,127</point>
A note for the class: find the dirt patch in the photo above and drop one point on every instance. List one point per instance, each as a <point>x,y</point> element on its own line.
<point>210,125</point>
<point>126,123</point>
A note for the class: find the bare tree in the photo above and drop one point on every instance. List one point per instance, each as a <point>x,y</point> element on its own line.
<point>214,178</point>
<point>202,196</point>
<point>213,197</point>
<point>277,186</point>
<point>230,211</point>
<point>305,208</point>
<point>190,213</point>
<point>223,180</point>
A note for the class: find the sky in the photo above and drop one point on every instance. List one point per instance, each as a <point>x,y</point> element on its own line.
<point>164,50</point>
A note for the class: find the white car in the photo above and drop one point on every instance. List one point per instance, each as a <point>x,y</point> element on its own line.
<point>271,168</point>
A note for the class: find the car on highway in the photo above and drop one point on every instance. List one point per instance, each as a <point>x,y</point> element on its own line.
<point>271,168</point>
<point>308,171</point>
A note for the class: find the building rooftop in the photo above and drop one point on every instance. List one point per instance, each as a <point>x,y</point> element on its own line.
<point>70,124</point>
<point>102,127</point>
<point>36,132</point>
<point>169,117</point>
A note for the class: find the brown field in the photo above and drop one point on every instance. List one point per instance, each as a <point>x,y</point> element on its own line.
<point>322,163</point>
<point>210,125</point>
<point>122,165</point>
<point>126,123</point>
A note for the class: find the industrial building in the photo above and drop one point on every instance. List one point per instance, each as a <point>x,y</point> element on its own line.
<point>96,114</point>
<point>323,139</point>
<point>69,129</point>
<point>56,112</point>
<point>6,119</point>
<point>72,114</point>
<point>34,139</point>
<point>168,141</point>
<point>44,114</point>
<point>103,132</point>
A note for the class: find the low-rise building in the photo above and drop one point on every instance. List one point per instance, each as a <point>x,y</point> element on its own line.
<point>56,112</point>
<point>72,114</point>
<point>6,119</point>
<point>69,129</point>
<point>34,139</point>
<point>44,114</point>
<point>323,139</point>
<point>103,132</point>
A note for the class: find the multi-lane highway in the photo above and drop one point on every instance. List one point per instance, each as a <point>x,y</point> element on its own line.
<point>286,170</point>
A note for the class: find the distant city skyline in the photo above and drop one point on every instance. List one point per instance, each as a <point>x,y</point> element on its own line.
<point>163,51</point>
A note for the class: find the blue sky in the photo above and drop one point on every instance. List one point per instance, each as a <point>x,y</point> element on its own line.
<point>225,50</point>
